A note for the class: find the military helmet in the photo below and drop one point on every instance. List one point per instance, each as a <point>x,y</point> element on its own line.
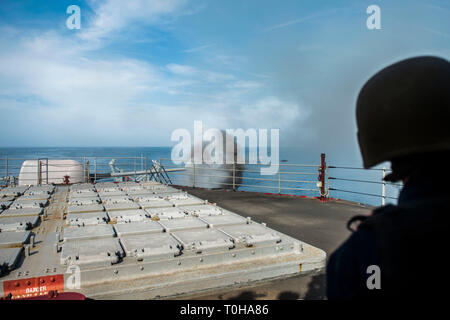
<point>404,109</point>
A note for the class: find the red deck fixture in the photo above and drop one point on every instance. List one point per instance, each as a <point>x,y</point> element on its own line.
<point>322,170</point>
<point>66,179</point>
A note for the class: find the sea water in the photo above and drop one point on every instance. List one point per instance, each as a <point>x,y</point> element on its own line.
<point>292,178</point>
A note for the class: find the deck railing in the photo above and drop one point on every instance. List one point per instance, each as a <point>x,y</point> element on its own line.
<point>320,180</point>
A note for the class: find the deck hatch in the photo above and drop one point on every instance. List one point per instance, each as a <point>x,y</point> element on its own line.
<point>181,199</point>
<point>135,228</point>
<point>146,247</point>
<point>10,239</point>
<point>99,252</point>
<point>223,220</point>
<point>182,224</point>
<point>127,216</point>
<point>88,232</point>
<point>21,203</point>
<point>85,208</point>
<point>166,213</point>
<point>84,201</point>
<point>18,223</point>
<point>12,212</point>
<point>203,240</point>
<point>8,259</point>
<point>87,219</point>
<point>252,234</point>
<point>203,210</point>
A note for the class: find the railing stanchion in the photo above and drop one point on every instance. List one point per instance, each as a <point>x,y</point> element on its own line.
<point>146,168</point>
<point>159,170</point>
<point>39,172</point>
<point>84,169</point>
<point>88,173</point>
<point>322,169</point>
<point>279,179</point>
<point>383,187</point>
<point>328,182</point>
<point>7,181</point>
<point>193,185</point>
<point>234,176</point>
<point>95,170</point>
<point>46,170</point>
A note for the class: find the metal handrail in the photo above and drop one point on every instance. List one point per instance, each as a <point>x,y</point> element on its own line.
<point>97,168</point>
<point>357,168</point>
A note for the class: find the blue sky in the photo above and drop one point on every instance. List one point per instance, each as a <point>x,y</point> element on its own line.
<point>139,69</point>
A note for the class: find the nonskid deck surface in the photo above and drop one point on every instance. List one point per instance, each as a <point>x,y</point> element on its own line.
<point>135,240</point>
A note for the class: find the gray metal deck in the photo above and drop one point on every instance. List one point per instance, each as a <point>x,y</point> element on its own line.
<point>125,249</point>
<point>322,225</point>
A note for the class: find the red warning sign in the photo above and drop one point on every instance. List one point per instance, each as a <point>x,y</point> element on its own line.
<point>33,287</point>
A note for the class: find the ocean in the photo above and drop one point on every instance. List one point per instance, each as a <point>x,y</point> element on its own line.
<point>348,183</point>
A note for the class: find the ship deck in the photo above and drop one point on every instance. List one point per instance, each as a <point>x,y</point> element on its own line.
<point>322,225</point>
<point>143,240</point>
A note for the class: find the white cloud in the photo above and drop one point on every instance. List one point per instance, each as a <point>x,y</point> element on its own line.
<point>204,75</point>
<point>114,15</point>
<point>181,69</point>
<point>54,91</point>
<point>196,49</point>
<point>245,85</point>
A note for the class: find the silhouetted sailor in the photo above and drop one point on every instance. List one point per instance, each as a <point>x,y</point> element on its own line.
<point>403,116</point>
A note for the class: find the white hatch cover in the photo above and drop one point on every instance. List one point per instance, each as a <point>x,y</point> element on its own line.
<point>18,223</point>
<point>126,216</point>
<point>182,224</point>
<point>84,201</point>
<point>203,210</point>
<point>99,252</point>
<point>166,213</point>
<point>182,199</point>
<point>108,189</point>
<point>251,234</point>
<point>116,199</point>
<point>162,189</point>
<point>21,203</point>
<point>4,204</point>
<point>82,187</point>
<point>132,187</point>
<point>74,196</point>
<point>13,191</point>
<point>13,239</point>
<point>35,196</point>
<point>152,201</point>
<point>8,259</point>
<point>86,219</point>
<point>88,232</point>
<point>135,228</point>
<point>136,193</point>
<point>223,220</point>
<point>203,240</point>
<point>12,212</point>
<point>85,208</point>
<point>106,194</point>
<point>40,189</point>
<point>110,206</point>
<point>151,246</point>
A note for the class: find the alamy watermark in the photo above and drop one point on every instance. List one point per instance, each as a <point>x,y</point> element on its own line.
<point>74,20</point>
<point>374,20</point>
<point>374,280</point>
<point>219,147</point>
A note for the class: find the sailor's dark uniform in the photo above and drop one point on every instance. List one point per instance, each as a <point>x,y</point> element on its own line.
<point>409,242</point>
